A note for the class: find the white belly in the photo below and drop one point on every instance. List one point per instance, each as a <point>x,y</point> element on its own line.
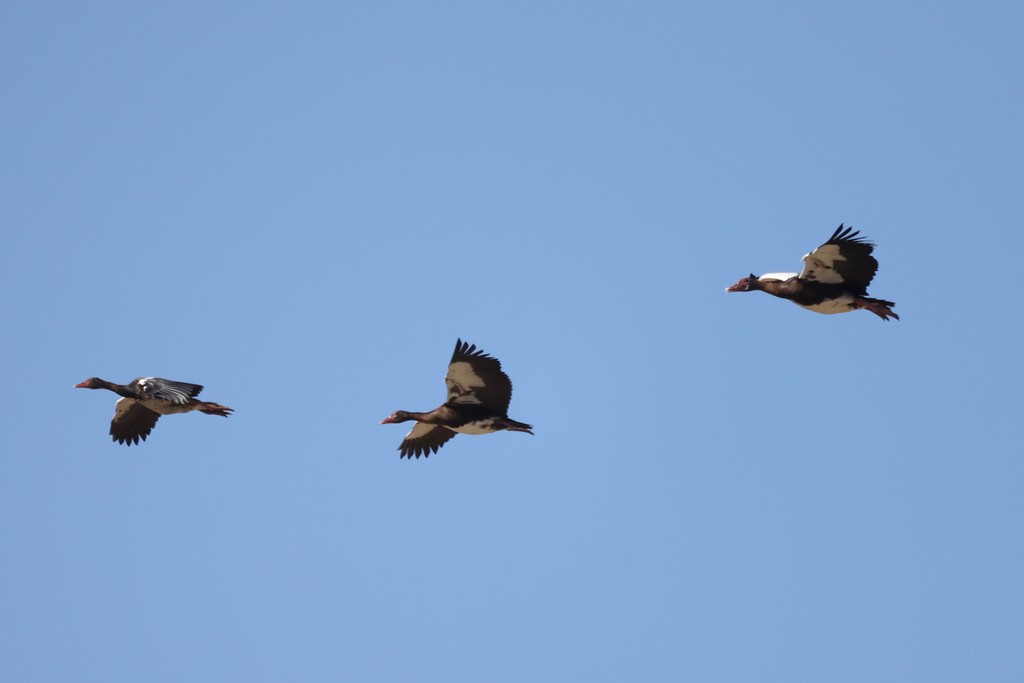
<point>478,427</point>
<point>840,305</point>
<point>166,407</point>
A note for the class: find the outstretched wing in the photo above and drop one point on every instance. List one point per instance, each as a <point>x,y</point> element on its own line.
<point>844,259</point>
<point>132,421</point>
<point>168,390</point>
<point>424,439</point>
<point>476,378</point>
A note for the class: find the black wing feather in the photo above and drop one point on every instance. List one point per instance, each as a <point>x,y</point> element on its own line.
<point>424,439</point>
<point>166,389</point>
<point>857,267</point>
<point>496,392</point>
<point>132,422</point>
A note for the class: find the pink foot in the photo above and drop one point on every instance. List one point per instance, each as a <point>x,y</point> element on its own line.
<point>878,307</point>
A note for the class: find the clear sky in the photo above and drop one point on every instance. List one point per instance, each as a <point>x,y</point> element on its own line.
<point>302,206</point>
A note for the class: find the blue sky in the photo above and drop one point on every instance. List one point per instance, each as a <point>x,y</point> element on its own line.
<point>303,206</point>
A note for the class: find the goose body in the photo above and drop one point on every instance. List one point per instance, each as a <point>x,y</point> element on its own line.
<point>479,393</point>
<point>145,399</point>
<point>835,278</point>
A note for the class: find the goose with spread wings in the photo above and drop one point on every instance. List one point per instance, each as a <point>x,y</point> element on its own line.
<point>145,399</point>
<point>479,393</point>
<point>835,278</point>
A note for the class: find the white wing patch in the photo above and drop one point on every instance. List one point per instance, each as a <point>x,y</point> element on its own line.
<point>421,429</point>
<point>819,265</point>
<point>462,379</point>
<point>123,406</point>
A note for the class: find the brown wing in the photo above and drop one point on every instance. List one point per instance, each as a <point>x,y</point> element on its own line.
<point>132,421</point>
<point>844,259</point>
<point>424,439</point>
<point>475,377</point>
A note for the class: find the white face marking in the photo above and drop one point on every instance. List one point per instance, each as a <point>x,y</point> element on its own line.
<point>840,305</point>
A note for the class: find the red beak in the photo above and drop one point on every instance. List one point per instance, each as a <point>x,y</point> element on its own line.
<point>741,286</point>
